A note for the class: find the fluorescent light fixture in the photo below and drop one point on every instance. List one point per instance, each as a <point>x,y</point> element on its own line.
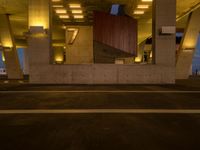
<point>64,16</point>
<point>75,5</point>
<point>143,6</point>
<point>56,0</point>
<point>138,12</point>
<point>77,11</point>
<point>78,16</point>
<point>61,11</point>
<point>147,0</point>
<point>57,6</point>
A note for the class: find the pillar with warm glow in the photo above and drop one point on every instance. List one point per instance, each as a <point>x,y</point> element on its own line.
<point>39,38</point>
<point>188,46</point>
<point>10,53</point>
<point>39,13</point>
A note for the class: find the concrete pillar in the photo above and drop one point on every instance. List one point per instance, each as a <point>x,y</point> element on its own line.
<point>26,62</point>
<point>140,52</point>
<point>11,57</point>
<point>164,45</point>
<point>188,46</point>
<point>39,38</point>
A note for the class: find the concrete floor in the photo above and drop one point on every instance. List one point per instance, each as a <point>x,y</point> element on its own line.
<point>104,131</point>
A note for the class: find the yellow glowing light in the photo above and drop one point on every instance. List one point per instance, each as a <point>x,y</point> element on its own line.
<point>75,5</point>
<point>147,0</point>
<point>64,16</point>
<point>58,59</point>
<point>138,12</point>
<point>38,22</point>
<point>38,14</point>
<point>78,16</point>
<point>61,11</point>
<point>151,54</point>
<point>7,43</point>
<point>143,6</point>
<point>138,59</point>
<point>55,0</point>
<point>3,57</point>
<point>63,27</point>
<point>57,6</point>
<point>77,11</point>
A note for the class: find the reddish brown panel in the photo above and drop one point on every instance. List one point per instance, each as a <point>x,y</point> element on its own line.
<point>119,32</point>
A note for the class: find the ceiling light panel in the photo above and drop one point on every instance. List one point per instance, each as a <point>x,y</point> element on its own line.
<point>74,5</point>
<point>57,6</point>
<point>147,0</point>
<point>138,12</point>
<point>78,16</point>
<point>77,11</point>
<point>143,6</point>
<point>64,16</point>
<point>61,11</point>
<point>56,0</point>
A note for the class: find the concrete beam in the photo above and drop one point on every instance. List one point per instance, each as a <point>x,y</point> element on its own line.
<point>188,46</point>
<point>8,43</point>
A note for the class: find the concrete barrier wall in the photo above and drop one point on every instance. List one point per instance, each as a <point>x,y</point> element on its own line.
<point>102,74</point>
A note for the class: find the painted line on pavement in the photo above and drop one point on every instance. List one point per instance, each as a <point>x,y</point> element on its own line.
<point>101,111</point>
<point>100,91</point>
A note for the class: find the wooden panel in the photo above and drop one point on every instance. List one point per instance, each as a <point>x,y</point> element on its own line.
<point>119,32</point>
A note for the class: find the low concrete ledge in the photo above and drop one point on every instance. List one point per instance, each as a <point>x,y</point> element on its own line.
<point>102,74</point>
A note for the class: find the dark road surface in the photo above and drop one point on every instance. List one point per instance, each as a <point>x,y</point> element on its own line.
<point>104,131</point>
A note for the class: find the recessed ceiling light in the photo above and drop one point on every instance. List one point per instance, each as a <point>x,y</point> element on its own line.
<point>78,16</point>
<point>75,5</point>
<point>143,6</point>
<point>138,12</point>
<point>64,16</point>
<point>56,0</point>
<point>77,11</point>
<point>147,0</point>
<point>57,6</point>
<point>61,11</point>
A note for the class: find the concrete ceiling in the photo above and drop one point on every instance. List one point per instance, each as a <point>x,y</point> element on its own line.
<point>18,10</point>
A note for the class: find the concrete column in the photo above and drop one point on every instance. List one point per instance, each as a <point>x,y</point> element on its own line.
<point>39,38</point>
<point>140,52</point>
<point>164,46</point>
<point>188,46</point>
<point>26,62</point>
<point>11,57</point>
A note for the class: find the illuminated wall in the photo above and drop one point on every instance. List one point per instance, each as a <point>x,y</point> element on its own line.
<point>39,13</point>
<point>79,45</point>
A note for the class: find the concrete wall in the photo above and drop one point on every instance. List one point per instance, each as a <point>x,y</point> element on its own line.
<point>81,51</point>
<point>102,74</point>
<point>162,72</point>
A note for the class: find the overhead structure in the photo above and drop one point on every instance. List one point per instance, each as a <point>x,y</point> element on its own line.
<point>188,46</point>
<point>9,49</point>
